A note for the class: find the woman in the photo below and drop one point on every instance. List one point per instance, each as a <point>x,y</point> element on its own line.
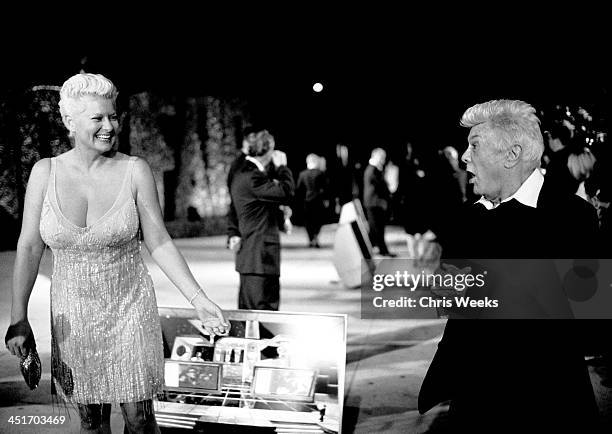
<point>88,205</point>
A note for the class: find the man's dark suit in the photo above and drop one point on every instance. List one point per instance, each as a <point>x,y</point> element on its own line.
<point>232,218</point>
<point>376,197</point>
<point>256,197</point>
<point>311,188</point>
<point>500,373</point>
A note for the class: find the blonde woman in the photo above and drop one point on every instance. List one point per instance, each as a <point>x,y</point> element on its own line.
<point>87,205</point>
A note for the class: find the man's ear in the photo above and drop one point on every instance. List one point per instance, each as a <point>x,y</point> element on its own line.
<point>513,155</point>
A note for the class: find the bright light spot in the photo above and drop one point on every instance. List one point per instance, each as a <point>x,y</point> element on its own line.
<point>42,283</point>
<point>317,87</point>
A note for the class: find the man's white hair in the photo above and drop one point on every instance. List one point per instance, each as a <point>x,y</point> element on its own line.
<point>511,122</point>
<point>81,85</point>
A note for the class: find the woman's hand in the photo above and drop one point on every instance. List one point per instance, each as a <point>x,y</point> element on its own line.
<point>212,317</point>
<point>17,347</point>
<point>19,338</point>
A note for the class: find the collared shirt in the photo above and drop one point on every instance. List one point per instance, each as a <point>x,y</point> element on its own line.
<point>256,162</point>
<point>527,194</point>
<point>372,162</point>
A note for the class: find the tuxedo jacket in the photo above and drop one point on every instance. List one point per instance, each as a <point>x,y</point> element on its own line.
<point>500,371</point>
<point>256,198</point>
<point>375,190</point>
<point>232,218</point>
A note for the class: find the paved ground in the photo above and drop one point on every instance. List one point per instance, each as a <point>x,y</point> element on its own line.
<point>386,359</point>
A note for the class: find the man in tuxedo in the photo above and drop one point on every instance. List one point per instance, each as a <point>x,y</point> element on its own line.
<point>514,374</point>
<point>233,234</point>
<point>376,199</point>
<point>256,197</point>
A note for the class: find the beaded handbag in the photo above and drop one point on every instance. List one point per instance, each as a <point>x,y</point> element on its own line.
<point>30,365</point>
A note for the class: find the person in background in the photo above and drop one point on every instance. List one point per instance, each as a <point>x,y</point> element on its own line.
<point>568,164</point>
<point>311,189</point>
<point>459,175</point>
<point>344,187</point>
<point>256,197</point>
<point>411,193</point>
<point>376,199</point>
<point>89,205</point>
<point>232,220</point>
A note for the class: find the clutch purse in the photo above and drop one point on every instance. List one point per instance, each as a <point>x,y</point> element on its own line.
<point>31,368</point>
<point>30,365</point>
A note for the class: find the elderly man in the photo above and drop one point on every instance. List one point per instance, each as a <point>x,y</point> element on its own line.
<point>256,197</point>
<point>513,374</point>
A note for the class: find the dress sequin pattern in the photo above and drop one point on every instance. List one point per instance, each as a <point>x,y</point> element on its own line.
<point>106,333</point>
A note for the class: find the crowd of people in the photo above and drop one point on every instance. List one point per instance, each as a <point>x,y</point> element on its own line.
<point>420,190</point>
<point>511,194</point>
<point>513,191</point>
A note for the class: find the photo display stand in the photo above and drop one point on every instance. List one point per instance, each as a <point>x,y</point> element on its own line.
<point>275,370</point>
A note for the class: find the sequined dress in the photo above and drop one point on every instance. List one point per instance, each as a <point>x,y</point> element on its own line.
<point>106,333</point>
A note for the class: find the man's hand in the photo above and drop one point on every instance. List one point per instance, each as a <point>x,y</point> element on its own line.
<point>449,291</point>
<point>234,243</point>
<point>424,250</point>
<point>279,158</point>
<point>212,317</point>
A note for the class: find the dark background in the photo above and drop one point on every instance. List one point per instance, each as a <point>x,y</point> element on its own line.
<point>381,88</point>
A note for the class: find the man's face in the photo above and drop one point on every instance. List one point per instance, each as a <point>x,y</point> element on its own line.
<point>484,162</point>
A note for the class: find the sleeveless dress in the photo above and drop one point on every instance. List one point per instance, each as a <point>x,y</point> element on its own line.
<point>106,334</point>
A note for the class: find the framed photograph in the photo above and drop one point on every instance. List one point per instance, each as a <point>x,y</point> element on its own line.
<point>193,376</point>
<point>284,384</point>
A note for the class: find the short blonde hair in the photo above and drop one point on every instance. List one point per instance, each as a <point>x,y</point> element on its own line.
<point>511,121</point>
<point>81,85</point>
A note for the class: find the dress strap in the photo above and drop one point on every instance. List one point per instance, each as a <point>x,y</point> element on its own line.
<point>130,169</point>
<point>51,181</point>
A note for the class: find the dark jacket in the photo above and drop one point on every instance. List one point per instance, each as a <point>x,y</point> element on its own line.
<point>256,197</point>
<point>375,190</point>
<point>232,218</point>
<point>499,372</point>
<point>311,185</point>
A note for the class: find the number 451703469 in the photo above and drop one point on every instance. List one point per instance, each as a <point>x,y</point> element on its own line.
<point>37,420</point>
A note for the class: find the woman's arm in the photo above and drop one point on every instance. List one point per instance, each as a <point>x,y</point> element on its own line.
<point>30,248</point>
<point>165,253</point>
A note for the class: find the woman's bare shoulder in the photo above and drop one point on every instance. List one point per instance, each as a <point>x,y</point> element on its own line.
<point>41,169</point>
<point>141,166</point>
<point>142,174</point>
<point>124,158</point>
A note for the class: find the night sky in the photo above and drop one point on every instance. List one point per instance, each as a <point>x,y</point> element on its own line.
<point>378,91</point>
